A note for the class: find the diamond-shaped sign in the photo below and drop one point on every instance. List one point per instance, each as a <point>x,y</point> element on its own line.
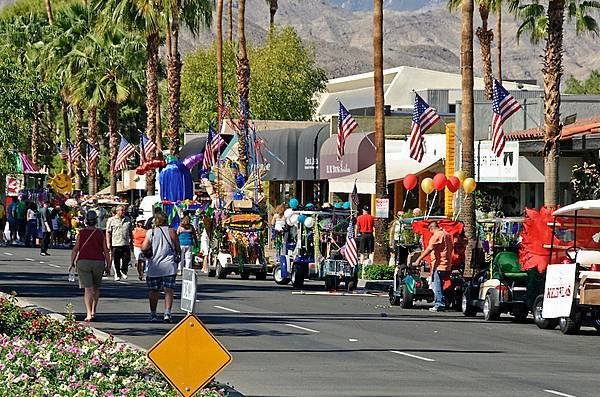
<point>189,356</point>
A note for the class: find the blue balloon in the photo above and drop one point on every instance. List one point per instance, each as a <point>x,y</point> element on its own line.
<point>293,203</point>
<point>309,205</point>
<point>211,176</point>
<point>338,205</point>
<point>301,218</point>
<point>346,205</point>
<point>240,180</point>
<point>238,195</point>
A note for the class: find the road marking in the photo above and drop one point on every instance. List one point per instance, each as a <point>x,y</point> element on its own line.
<point>352,340</point>
<point>121,282</point>
<point>302,328</point>
<point>42,262</point>
<point>56,266</point>
<point>559,393</point>
<point>29,259</point>
<point>8,253</point>
<point>226,309</point>
<point>412,355</point>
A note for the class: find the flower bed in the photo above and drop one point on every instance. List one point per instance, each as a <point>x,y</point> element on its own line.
<point>40,356</point>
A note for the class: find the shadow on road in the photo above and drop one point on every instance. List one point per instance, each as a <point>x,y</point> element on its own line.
<point>449,351</point>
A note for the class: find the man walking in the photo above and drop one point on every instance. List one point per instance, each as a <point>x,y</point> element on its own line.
<point>46,227</point>
<point>118,239</point>
<point>440,251</point>
<point>365,224</point>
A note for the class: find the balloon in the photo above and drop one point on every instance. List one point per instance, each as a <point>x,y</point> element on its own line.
<point>240,180</point>
<point>469,185</point>
<point>427,185</point>
<point>453,184</point>
<point>294,219</point>
<point>338,205</point>
<point>191,161</point>
<point>293,203</point>
<point>237,195</point>
<point>346,205</point>
<point>309,222</point>
<point>439,181</point>
<point>288,212</point>
<point>309,205</point>
<point>301,218</point>
<point>461,175</point>
<point>211,176</point>
<point>410,181</point>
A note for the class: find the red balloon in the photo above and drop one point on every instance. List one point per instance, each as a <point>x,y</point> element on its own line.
<point>410,181</point>
<point>439,181</point>
<point>453,184</point>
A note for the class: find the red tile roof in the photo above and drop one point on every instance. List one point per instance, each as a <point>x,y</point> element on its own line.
<point>581,127</point>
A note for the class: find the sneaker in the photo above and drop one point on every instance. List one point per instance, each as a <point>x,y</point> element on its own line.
<point>436,309</point>
<point>167,318</point>
<point>152,318</point>
<point>124,277</point>
<point>117,278</point>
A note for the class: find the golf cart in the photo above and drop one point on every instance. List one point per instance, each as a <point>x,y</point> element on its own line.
<point>238,247</point>
<point>312,243</point>
<point>572,289</point>
<point>410,283</point>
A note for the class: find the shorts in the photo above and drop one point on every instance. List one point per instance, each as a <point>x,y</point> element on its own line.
<point>90,273</point>
<point>137,254</point>
<point>367,243</point>
<point>156,283</point>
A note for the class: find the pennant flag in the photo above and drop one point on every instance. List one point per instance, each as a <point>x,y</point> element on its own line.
<point>126,149</point>
<point>349,250</point>
<point>346,125</point>
<point>424,117</point>
<point>147,147</point>
<point>504,105</point>
<point>214,142</point>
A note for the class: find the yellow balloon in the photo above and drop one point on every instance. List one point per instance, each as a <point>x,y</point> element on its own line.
<point>461,175</point>
<point>469,185</point>
<point>427,185</point>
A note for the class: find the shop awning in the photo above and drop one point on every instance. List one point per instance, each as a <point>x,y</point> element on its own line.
<point>309,147</point>
<point>359,154</point>
<point>398,165</point>
<point>195,146</point>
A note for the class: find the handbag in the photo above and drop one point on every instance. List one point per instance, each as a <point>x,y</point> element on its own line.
<point>176,255</point>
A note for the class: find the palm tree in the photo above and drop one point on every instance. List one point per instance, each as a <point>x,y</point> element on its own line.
<point>499,42</point>
<point>547,23</point>
<point>273,6</point>
<point>380,174</point>
<point>230,21</point>
<point>467,121</point>
<point>78,144</point>
<point>219,59</point>
<point>243,83</point>
<point>48,5</point>
<point>93,141</point>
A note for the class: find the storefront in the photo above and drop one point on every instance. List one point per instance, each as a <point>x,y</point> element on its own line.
<point>312,187</point>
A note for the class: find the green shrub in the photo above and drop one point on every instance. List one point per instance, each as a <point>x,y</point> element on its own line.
<point>378,272</point>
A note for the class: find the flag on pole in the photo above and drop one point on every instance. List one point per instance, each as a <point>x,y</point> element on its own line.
<point>75,153</point>
<point>424,117</point>
<point>504,105</point>
<point>349,250</point>
<point>62,152</point>
<point>147,147</point>
<point>27,166</point>
<point>214,142</point>
<point>354,196</point>
<point>126,149</point>
<point>346,125</point>
<point>92,157</point>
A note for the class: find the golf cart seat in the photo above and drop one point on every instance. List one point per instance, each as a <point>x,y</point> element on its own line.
<point>506,265</point>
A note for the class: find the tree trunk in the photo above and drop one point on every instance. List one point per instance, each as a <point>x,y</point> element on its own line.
<point>78,145</point>
<point>499,42</point>
<point>174,82</point>
<point>159,131</point>
<point>552,75</point>
<point>35,134</point>
<point>230,21</point>
<point>381,224</point>
<point>243,82</point>
<point>219,60</point>
<point>273,6</point>
<point>486,36</point>
<point>64,104</point>
<point>113,118</point>
<point>48,5</point>
<point>467,127</point>
<point>152,42</point>
<point>93,140</point>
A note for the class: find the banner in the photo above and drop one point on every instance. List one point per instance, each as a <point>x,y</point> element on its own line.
<point>382,208</point>
<point>14,184</point>
<point>559,290</point>
<point>489,168</point>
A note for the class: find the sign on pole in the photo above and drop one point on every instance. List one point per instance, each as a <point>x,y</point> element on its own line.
<point>188,290</point>
<point>382,208</point>
<point>559,290</point>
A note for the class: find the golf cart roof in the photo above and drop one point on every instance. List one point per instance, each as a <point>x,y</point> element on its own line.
<point>498,220</point>
<point>585,208</point>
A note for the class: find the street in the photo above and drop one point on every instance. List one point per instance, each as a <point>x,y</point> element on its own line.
<point>286,344</point>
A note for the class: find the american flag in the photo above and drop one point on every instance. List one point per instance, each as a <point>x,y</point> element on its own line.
<point>424,117</point>
<point>349,249</point>
<point>75,153</point>
<point>504,105</point>
<point>63,153</point>
<point>92,157</point>
<point>147,147</point>
<point>126,149</point>
<point>213,144</point>
<point>354,196</point>
<point>70,157</point>
<point>346,125</point>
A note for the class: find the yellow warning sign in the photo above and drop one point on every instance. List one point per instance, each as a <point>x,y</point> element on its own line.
<point>189,356</point>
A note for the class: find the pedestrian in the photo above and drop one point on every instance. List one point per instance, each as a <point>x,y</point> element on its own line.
<point>162,251</point>
<point>365,227</point>
<point>46,227</point>
<point>278,229</point>
<point>440,251</point>
<point>12,221</point>
<point>21,217</point>
<point>139,235</point>
<point>209,224</point>
<point>2,223</point>
<point>119,241</point>
<point>150,221</point>
<point>32,225</point>
<point>91,258</point>
<point>394,234</point>
<point>187,240</point>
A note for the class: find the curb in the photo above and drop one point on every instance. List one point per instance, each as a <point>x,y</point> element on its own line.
<point>375,285</point>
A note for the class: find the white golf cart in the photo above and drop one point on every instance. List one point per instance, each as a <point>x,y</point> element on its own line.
<point>572,287</point>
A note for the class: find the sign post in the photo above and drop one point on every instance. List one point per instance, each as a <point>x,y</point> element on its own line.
<point>559,290</point>
<point>188,290</point>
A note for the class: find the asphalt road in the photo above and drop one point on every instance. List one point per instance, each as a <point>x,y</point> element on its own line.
<point>286,344</point>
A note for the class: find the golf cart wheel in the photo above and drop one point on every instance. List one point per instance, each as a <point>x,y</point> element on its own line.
<point>394,300</point>
<point>297,277</point>
<point>467,310</point>
<point>261,275</point>
<point>491,312</point>
<point>330,283</point>
<point>407,299</point>
<point>278,278</point>
<point>244,275</point>
<point>541,322</point>
<point>211,272</point>
<point>570,325</point>
<point>221,273</point>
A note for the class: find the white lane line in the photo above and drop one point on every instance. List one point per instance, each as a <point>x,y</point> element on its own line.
<point>227,309</point>
<point>121,282</point>
<point>557,393</point>
<point>302,328</point>
<point>8,253</point>
<point>352,340</point>
<point>412,355</point>
<point>29,260</point>
<point>56,266</point>
<point>42,262</point>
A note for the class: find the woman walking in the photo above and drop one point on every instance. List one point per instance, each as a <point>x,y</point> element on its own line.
<point>162,251</point>
<point>91,257</point>
<point>187,239</point>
